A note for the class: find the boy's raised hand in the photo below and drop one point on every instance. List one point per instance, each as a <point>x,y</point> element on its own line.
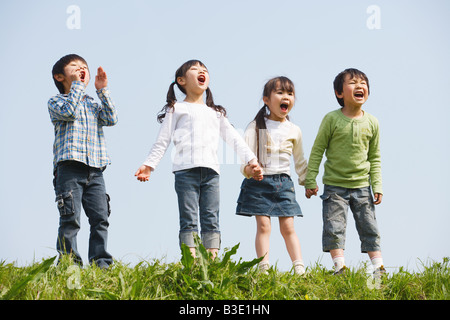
<point>143,173</point>
<point>101,80</point>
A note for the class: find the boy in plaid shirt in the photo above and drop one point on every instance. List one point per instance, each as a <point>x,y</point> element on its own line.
<point>80,156</point>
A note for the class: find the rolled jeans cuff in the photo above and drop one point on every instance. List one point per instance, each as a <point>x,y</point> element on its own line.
<point>210,240</point>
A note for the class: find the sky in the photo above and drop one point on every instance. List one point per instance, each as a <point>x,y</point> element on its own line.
<point>402,46</point>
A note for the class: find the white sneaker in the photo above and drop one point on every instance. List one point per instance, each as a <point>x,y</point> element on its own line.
<point>299,268</point>
<point>264,267</point>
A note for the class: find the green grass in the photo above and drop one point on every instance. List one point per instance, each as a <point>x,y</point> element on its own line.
<point>223,278</point>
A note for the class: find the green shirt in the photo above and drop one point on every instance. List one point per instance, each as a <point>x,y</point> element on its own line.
<point>352,149</point>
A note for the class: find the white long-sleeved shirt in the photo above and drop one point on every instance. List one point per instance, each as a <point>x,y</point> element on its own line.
<point>278,143</point>
<point>195,130</point>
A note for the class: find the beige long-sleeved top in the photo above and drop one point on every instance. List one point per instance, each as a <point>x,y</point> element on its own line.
<point>278,143</point>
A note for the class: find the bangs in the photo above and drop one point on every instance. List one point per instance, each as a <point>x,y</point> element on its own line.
<point>196,62</point>
<point>186,66</point>
<point>285,84</point>
<point>355,73</point>
<point>282,83</point>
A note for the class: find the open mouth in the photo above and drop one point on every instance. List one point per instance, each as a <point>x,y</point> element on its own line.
<point>284,107</point>
<point>201,79</point>
<point>359,95</point>
<point>82,75</point>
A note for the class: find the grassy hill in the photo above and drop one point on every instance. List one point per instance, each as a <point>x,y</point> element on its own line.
<point>221,279</point>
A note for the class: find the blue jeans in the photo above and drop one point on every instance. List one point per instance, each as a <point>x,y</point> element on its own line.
<point>198,194</point>
<point>76,185</point>
<point>336,201</point>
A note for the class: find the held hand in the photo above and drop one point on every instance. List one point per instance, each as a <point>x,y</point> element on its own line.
<point>311,192</point>
<point>254,170</point>
<point>101,80</point>
<point>143,173</point>
<point>377,198</point>
<point>257,173</point>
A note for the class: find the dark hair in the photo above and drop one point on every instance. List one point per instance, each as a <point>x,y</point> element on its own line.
<point>59,66</point>
<point>285,84</point>
<point>171,97</point>
<point>273,84</point>
<point>338,82</point>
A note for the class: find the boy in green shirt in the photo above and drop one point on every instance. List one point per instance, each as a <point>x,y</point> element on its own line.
<point>350,139</point>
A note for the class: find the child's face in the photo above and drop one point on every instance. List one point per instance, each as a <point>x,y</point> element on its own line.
<point>195,80</point>
<point>280,102</point>
<point>76,70</point>
<point>355,91</point>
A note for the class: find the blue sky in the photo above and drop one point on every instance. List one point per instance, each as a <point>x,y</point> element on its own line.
<point>140,44</point>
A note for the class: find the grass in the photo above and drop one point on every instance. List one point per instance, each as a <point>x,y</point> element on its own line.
<point>221,279</point>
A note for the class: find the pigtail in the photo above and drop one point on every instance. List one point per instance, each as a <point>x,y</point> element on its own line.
<point>260,124</point>
<point>210,103</point>
<point>260,118</point>
<point>170,103</point>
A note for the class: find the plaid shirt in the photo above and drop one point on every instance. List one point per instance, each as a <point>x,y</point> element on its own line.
<point>79,122</point>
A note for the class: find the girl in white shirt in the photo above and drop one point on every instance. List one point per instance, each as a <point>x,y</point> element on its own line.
<point>195,129</point>
<point>273,138</point>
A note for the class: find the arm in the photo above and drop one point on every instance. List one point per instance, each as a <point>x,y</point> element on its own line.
<point>158,149</point>
<point>374,158</point>
<point>250,167</point>
<point>250,140</point>
<point>107,115</point>
<point>65,108</point>
<point>315,158</point>
<point>299,159</point>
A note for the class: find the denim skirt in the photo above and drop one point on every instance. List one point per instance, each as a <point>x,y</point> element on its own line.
<point>273,196</point>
